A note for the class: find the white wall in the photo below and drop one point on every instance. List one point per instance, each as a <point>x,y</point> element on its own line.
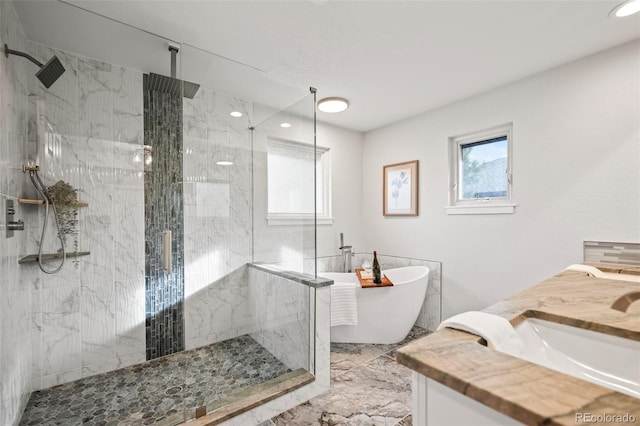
<point>576,165</point>
<point>346,178</point>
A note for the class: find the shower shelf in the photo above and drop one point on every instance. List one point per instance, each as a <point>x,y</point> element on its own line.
<point>51,256</point>
<point>41,202</point>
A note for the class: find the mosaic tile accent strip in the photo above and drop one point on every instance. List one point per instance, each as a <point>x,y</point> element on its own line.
<point>163,195</point>
<point>606,252</point>
<point>164,391</point>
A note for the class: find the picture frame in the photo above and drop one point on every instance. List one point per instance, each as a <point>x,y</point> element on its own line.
<point>400,189</point>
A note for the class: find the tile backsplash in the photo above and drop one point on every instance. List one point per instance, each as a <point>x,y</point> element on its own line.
<point>607,252</point>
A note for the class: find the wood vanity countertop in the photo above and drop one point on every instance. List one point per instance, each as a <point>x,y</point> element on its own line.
<point>527,392</point>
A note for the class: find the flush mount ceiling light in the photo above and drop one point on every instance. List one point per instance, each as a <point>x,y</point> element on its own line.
<point>627,8</point>
<point>235,114</point>
<point>333,104</point>
<point>224,163</point>
<point>285,125</point>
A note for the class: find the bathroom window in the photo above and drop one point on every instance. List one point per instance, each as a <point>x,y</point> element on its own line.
<point>480,172</point>
<point>290,170</point>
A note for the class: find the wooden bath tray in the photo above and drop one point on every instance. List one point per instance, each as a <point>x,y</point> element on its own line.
<point>368,282</point>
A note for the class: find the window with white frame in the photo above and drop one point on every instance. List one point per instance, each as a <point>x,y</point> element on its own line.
<point>291,197</point>
<point>480,172</point>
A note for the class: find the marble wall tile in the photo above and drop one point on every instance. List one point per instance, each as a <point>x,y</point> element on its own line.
<point>98,330</point>
<point>87,130</point>
<point>128,126</point>
<point>218,239</point>
<point>322,329</point>
<point>281,311</point>
<point>129,318</point>
<point>61,339</point>
<point>128,252</point>
<point>95,100</point>
<point>15,305</point>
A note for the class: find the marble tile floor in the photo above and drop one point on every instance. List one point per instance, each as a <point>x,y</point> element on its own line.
<point>368,387</point>
<point>164,391</point>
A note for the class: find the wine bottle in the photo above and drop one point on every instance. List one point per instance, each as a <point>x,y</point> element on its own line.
<point>377,279</point>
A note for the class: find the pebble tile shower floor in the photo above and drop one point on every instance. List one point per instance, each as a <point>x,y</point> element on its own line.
<point>165,391</point>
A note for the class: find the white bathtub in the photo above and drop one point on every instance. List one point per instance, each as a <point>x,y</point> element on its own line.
<point>385,314</point>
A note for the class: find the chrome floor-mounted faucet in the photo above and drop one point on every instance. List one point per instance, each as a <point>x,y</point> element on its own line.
<point>347,254</point>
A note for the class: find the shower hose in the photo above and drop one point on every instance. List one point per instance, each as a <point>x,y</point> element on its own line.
<point>44,193</point>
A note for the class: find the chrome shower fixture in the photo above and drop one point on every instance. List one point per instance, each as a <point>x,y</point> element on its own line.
<point>48,73</point>
<point>42,190</point>
<point>172,85</point>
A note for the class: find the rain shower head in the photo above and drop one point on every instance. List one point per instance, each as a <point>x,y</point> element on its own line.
<point>48,73</point>
<point>172,85</point>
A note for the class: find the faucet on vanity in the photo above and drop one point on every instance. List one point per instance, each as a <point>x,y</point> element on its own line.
<point>622,303</point>
<point>347,254</point>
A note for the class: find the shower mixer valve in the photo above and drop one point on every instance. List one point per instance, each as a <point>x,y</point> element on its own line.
<point>12,225</point>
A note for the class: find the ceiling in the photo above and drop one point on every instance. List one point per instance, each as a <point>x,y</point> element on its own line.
<point>390,59</point>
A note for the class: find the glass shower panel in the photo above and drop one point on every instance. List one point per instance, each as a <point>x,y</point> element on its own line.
<point>240,329</point>
<point>169,301</point>
<point>286,182</point>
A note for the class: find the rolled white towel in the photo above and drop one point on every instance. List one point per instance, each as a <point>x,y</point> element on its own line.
<point>497,331</point>
<point>344,305</point>
<point>594,272</point>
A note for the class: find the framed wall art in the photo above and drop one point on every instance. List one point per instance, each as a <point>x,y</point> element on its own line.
<point>400,189</point>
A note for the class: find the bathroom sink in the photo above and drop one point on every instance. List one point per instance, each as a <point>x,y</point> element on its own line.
<point>606,360</point>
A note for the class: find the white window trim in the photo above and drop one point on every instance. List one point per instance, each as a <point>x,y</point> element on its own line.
<point>279,219</point>
<point>503,205</point>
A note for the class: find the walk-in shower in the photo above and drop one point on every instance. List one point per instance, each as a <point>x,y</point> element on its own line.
<point>113,337</point>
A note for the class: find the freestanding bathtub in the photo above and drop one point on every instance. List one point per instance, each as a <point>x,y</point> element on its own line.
<point>385,314</point>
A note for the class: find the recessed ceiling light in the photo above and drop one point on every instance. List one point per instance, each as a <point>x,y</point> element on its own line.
<point>224,163</point>
<point>285,125</point>
<point>627,8</point>
<point>236,114</point>
<point>333,104</point>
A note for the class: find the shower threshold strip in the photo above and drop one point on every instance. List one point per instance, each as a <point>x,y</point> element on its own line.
<point>241,402</point>
<point>51,256</point>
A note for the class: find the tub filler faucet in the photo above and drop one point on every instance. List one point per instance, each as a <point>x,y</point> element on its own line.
<point>347,254</point>
<point>622,303</point>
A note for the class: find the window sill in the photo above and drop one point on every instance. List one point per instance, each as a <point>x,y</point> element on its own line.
<point>482,209</point>
<point>293,220</point>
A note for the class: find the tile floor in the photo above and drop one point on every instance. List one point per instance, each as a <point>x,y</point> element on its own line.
<point>368,387</point>
<point>139,395</point>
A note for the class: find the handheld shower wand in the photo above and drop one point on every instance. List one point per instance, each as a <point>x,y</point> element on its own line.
<point>42,191</point>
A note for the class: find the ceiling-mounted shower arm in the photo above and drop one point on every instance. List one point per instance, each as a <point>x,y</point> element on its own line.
<point>174,49</point>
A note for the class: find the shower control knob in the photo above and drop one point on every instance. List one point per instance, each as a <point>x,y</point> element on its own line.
<point>16,226</point>
<point>11,210</point>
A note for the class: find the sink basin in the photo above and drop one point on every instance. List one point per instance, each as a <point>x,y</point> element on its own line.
<point>606,360</point>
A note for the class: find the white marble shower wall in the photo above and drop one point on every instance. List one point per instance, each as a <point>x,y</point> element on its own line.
<point>430,313</point>
<point>87,130</point>
<point>281,309</point>
<point>217,218</point>
<point>15,303</point>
